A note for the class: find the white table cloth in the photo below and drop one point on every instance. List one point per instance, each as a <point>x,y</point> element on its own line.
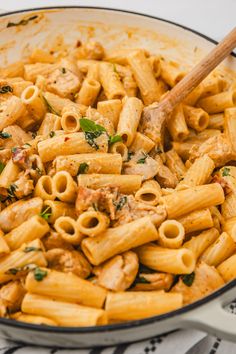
<point>214,18</point>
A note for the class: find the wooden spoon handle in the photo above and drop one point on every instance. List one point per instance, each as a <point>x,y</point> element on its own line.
<point>199,72</point>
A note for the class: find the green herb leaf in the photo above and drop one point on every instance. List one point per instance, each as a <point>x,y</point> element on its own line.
<point>39,172</point>
<point>27,145</point>
<point>49,107</point>
<point>46,213</point>
<point>2,166</point>
<point>114,68</point>
<point>52,134</point>
<point>13,149</point>
<point>95,207</point>
<point>13,271</point>
<point>34,134</point>
<point>91,131</point>
<point>142,280</point>
<point>226,172</point>
<point>130,154</point>
<point>188,279</point>
<point>114,139</point>
<point>119,205</point>
<point>11,191</point>
<point>32,249</point>
<point>22,22</point>
<point>143,159</point>
<point>87,125</point>
<point>63,70</point>
<point>6,89</point>
<point>83,168</point>
<point>39,274</point>
<point>4,135</point>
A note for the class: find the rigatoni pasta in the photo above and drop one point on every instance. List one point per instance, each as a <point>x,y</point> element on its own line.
<point>105,215</point>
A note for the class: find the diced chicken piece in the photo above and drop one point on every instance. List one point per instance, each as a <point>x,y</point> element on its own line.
<point>154,281</point>
<point>101,198</point>
<point>18,136</point>
<point>153,125</point>
<point>18,212</point>
<point>24,186</point>
<point>218,149</point>
<point>5,155</point>
<point>20,156</point>
<point>93,50</point>
<point>11,296</point>
<point>164,176</point>
<point>54,240</point>
<point>133,210</point>
<point>68,261</point>
<point>118,273</point>
<point>63,82</point>
<point>141,164</point>
<point>206,280</point>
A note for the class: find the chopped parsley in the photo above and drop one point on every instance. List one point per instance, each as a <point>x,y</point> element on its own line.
<point>11,191</point>
<point>34,134</point>
<point>52,134</point>
<point>188,279</point>
<point>49,107</point>
<point>95,207</point>
<point>63,70</point>
<point>32,249</point>
<point>14,149</point>
<point>119,205</point>
<point>2,166</point>
<point>6,89</point>
<point>114,68</point>
<point>142,280</point>
<point>46,213</point>
<point>39,274</point>
<point>22,22</point>
<point>226,172</point>
<point>91,131</point>
<point>143,159</point>
<point>114,139</point>
<point>130,154</point>
<point>39,172</point>
<point>13,271</point>
<point>27,145</point>
<point>4,135</point>
<point>83,168</point>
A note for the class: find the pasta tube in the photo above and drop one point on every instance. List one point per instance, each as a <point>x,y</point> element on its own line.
<point>219,102</point>
<point>64,187</point>
<point>34,228</point>
<point>54,284</point>
<point>10,111</point>
<point>70,120</point>
<point>192,199</point>
<point>149,193</point>
<point>63,313</point>
<point>171,234</point>
<point>227,269</point>
<point>144,77</point>
<point>119,239</point>
<point>177,125</point>
<point>220,250</point>
<point>110,109</point>
<point>45,189</point>
<point>141,142</point>
<point>110,81</point>
<point>33,101</point>
<point>175,261</point>
<point>89,91</point>
<point>127,306</point>
<point>175,164</point>
<point>39,320</point>
<point>93,163</point>
<point>197,220</point>
<point>230,126</point>
<point>55,209</point>
<point>13,264</point>
<point>74,143</point>
<point>196,118</point>
<point>229,226</point>
<point>129,119</point>
<point>126,183</point>
<point>92,223</point>
<point>198,244</point>
<point>68,229</point>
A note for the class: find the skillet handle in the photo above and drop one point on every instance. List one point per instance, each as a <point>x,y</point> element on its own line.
<point>213,318</point>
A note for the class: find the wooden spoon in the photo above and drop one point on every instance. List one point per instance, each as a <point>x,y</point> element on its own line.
<point>155,115</point>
